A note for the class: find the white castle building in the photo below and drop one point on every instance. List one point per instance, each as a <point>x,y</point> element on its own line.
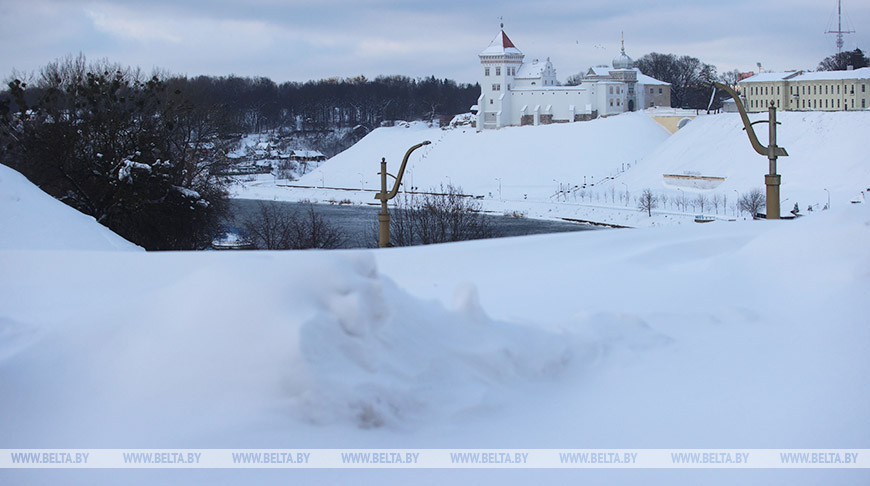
<point>515,93</point>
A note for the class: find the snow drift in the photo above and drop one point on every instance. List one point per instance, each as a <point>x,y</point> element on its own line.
<point>33,220</point>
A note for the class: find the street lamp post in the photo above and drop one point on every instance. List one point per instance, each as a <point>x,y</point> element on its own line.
<point>384,196</point>
<point>772,180</point>
<point>828,206</point>
<point>499,187</point>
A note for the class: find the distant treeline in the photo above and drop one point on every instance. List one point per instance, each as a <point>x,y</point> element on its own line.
<point>260,103</point>
<point>256,104</point>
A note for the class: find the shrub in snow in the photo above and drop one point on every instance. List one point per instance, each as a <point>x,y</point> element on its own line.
<point>128,151</point>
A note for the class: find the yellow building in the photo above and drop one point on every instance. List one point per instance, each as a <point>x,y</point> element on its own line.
<point>799,91</point>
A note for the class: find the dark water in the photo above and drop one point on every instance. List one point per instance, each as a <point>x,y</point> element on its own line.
<point>359,223</point>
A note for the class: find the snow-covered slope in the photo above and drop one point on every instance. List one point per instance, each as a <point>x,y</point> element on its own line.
<point>541,170</point>
<point>33,220</point>
<point>827,150</point>
<point>529,161</point>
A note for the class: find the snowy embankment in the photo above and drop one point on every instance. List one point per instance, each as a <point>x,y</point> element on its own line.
<point>740,335</point>
<point>31,219</point>
<point>536,169</point>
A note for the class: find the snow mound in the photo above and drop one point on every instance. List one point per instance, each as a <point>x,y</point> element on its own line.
<point>312,337</point>
<point>33,220</point>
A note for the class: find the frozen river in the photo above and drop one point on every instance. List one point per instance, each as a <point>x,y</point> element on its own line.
<point>358,223</point>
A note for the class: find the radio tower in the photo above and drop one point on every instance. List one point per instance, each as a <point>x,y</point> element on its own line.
<point>840,30</point>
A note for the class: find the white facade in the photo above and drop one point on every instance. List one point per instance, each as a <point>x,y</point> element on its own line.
<point>514,92</point>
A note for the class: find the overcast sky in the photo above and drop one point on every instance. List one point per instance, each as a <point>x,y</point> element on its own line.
<point>299,40</point>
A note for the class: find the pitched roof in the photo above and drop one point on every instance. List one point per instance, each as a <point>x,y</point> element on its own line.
<point>531,70</point>
<point>768,77</point>
<point>648,80</point>
<point>861,73</point>
<point>501,45</point>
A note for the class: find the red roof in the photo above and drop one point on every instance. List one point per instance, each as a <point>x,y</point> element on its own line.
<point>506,42</point>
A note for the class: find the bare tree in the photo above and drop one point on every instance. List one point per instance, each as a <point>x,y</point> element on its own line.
<point>717,200</point>
<point>701,201</point>
<point>751,201</point>
<point>438,217</point>
<point>682,202</point>
<point>841,61</point>
<point>310,230</point>
<point>647,202</point>
<point>277,227</point>
<point>574,80</point>
<point>269,228</point>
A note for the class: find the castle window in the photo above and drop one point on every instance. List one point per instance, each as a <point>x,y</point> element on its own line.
<point>498,71</point>
<point>486,71</point>
<point>650,91</point>
<point>660,91</point>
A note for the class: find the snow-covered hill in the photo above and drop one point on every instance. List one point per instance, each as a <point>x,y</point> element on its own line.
<point>33,220</point>
<point>529,160</point>
<point>542,170</point>
<point>827,150</point>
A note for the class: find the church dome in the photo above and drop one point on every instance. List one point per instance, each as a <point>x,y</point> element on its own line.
<point>623,61</point>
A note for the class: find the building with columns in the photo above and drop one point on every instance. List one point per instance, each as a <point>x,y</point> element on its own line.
<point>514,92</point>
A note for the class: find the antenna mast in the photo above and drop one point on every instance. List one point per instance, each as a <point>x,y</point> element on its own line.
<point>840,30</point>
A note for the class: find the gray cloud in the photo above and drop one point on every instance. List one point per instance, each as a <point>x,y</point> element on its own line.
<point>301,40</point>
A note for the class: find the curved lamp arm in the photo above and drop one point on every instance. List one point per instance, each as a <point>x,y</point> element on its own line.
<point>753,139</point>
<point>392,193</point>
